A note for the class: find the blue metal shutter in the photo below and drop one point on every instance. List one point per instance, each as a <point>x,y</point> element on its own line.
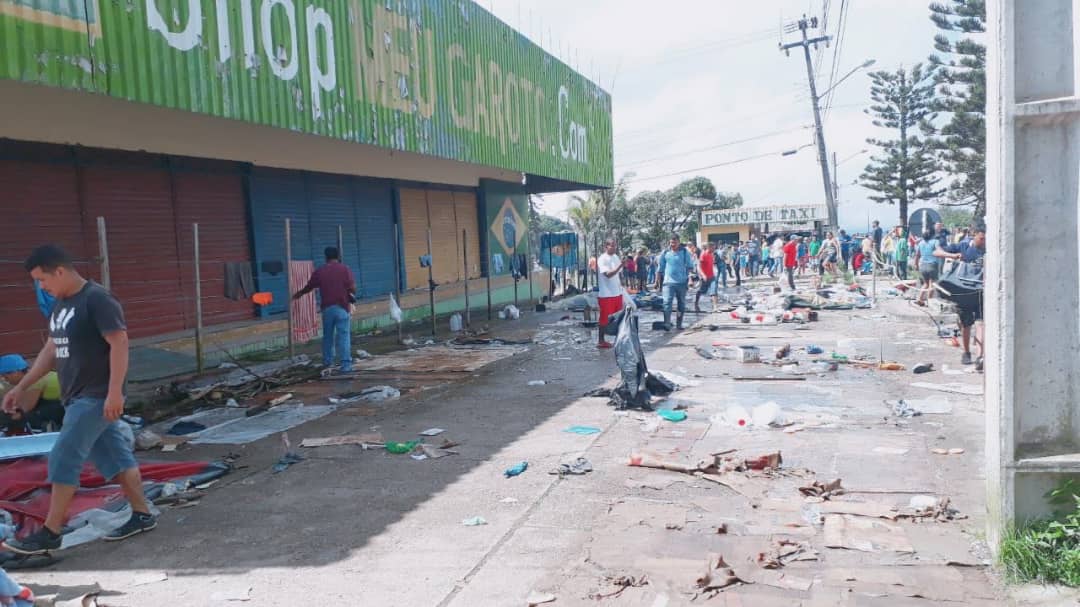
<point>331,205</point>
<point>375,233</point>
<point>275,195</point>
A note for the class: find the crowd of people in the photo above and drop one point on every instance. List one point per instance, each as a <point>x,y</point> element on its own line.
<point>680,267</point>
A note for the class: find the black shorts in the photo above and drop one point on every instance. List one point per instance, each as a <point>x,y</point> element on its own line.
<point>929,272</point>
<point>970,309</point>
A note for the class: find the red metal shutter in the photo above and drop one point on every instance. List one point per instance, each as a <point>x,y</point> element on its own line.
<point>213,197</point>
<point>39,200</point>
<point>133,193</point>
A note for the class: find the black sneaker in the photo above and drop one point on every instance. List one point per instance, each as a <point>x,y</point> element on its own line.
<point>39,542</point>
<point>138,523</point>
<point>965,358</point>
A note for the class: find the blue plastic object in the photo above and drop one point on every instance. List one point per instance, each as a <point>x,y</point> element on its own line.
<point>516,469</point>
<point>583,430</point>
<point>671,415</point>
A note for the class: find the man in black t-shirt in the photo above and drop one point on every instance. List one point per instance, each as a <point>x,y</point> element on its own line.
<point>89,346</point>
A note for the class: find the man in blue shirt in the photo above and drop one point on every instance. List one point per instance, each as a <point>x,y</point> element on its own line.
<point>969,308</point>
<point>675,266</point>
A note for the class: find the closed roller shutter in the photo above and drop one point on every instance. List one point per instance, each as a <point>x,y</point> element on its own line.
<point>133,192</point>
<point>414,226</point>
<point>444,237</point>
<point>374,205</point>
<point>275,195</point>
<point>211,195</point>
<point>467,219</point>
<point>40,199</point>
<point>330,201</point>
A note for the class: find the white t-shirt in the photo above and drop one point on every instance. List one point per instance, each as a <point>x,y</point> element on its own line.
<point>609,286</point>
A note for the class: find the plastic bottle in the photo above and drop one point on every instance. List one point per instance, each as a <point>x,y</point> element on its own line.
<point>765,414</point>
<point>737,416</point>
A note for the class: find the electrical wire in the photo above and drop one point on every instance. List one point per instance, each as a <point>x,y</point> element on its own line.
<point>845,11</point>
<point>713,147</point>
<point>711,166</point>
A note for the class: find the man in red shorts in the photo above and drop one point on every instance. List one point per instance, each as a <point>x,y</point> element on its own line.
<point>608,267</point>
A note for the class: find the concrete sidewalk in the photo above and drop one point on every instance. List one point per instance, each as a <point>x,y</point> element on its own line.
<point>348,526</point>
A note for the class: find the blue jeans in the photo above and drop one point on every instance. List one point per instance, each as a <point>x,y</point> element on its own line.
<point>678,291</point>
<point>87,435</point>
<point>336,332</point>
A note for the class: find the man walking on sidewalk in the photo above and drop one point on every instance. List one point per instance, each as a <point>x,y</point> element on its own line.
<point>675,266</point>
<point>608,267</point>
<point>88,345</point>
<point>337,290</point>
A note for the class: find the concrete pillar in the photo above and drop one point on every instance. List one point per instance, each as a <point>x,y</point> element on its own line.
<point>1032,298</point>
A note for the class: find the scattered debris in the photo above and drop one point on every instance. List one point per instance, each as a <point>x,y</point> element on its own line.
<point>784,551</point>
<point>146,440</point>
<point>432,432</point>
<point>402,448</point>
<point>672,415</point>
<point>538,382</point>
<point>475,521</point>
<point>508,500</point>
<point>901,408</point>
<point>366,440</point>
<point>865,534</point>
<point>941,510</point>
<point>182,428</point>
<point>578,467</point>
<point>363,354</point>
<point>822,490</point>
<point>718,576</point>
<point>943,451</point>
<point>967,389</point>
<point>922,368</point>
<point>287,460</point>
<point>539,598</point>
<point>583,430</point>
<point>510,312</point>
<point>516,469</point>
<point>620,584</point>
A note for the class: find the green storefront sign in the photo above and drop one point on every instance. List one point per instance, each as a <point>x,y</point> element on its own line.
<point>437,77</point>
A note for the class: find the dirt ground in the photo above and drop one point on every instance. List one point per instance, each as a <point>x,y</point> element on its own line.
<point>349,526</point>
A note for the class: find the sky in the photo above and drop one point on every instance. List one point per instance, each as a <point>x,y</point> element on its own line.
<point>696,83</point>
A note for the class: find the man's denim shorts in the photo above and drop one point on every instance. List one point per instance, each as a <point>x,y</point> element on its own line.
<point>86,434</point>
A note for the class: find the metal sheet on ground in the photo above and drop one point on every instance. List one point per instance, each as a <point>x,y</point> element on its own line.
<point>250,429</point>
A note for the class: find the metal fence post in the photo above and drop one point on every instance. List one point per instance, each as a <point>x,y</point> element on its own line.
<point>198,300</point>
<point>288,283</point>
<point>465,254</point>
<point>103,253</point>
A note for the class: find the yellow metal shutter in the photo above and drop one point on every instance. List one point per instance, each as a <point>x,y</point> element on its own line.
<point>444,237</point>
<point>414,226</point>
<point>466,209</point>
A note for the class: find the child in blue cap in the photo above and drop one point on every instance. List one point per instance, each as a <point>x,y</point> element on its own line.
<point>38,407</point>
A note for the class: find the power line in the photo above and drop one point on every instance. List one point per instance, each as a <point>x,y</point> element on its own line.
<point>712,147</point>
<point>711,166</point>
<point>840,37</point>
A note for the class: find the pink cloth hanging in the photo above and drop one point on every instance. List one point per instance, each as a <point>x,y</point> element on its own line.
<point>305,312</point>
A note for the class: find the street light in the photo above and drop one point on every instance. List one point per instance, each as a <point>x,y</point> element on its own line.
<point>862,66</point>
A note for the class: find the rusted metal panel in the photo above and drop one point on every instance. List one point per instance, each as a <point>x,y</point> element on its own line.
<point>213,197</point>
<point>414,226</point>
<point>465,211</point>
<point>40,200</point>
<point>134,195</point>
<point>441,77</point>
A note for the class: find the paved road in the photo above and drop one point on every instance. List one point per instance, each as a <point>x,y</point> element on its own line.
<point>353,527</point>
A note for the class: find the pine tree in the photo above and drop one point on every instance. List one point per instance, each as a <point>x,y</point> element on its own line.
<point>905,170</point>
<point>960,77</point>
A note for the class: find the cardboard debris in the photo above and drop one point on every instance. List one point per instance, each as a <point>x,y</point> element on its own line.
<point>865,534</point>
<point>348,439</point>
<point>870,509</point>
<point>784,551</point>
<point>619,585</point>
<point>825,490</point>
<point>717,576</point>
<point>936,583</point>
<point>776,579</point>
<point>954,388</point>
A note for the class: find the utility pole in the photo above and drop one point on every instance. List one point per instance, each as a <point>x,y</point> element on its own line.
<point>823,157</point>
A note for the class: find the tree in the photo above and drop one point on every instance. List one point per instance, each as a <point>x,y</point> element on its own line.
<point>547,223</point>
<point>956,217</point>
<point>961,86</point>
<point>657,217</point>
<point>905,170</point>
